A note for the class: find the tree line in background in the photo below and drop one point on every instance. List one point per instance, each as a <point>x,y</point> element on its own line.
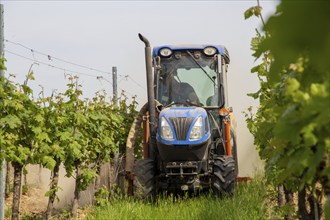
<point>82,134</point>
<point>291,126</point>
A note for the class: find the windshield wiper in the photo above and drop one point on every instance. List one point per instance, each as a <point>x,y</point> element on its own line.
<point>200,66</point>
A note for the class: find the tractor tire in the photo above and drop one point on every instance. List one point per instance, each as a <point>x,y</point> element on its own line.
<point>144,171</point>
<point>234,151</point>
<point>236,160</point>
<point>223,178</point>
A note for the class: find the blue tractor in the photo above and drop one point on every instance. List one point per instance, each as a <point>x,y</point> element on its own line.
<point>190,131</point>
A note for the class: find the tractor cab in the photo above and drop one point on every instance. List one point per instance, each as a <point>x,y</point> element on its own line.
<point>186,77</point>
<point>190,75</point>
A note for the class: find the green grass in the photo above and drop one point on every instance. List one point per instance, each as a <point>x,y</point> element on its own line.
<point>249,202</point>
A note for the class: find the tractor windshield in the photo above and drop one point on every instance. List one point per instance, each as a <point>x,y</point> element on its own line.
<point>188,77</point>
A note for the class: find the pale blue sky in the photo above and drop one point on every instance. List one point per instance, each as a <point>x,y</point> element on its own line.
<point>102,34</point>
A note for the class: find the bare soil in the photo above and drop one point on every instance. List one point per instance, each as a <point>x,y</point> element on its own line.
<point>33,203</point>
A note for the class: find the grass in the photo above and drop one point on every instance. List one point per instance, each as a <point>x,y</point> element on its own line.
<point>248,202</point>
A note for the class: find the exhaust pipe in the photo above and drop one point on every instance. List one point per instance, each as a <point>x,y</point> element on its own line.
<point>151,96</point>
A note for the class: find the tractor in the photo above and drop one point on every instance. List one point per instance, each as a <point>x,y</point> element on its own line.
<point>189,129</point>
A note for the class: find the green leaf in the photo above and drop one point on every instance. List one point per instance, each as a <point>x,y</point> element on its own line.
<point>39,118</point>
<point>257,10</point>
<point>12,121</point>
<point>248,13</point>
<point>48,162</point>
<point>308,135</point>
<point>292,86</point>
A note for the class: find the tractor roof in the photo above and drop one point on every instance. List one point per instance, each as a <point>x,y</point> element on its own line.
<point>220,49</point>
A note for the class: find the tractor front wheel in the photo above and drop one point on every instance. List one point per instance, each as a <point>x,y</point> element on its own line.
<point>223,179</point>
<point>144,171</point>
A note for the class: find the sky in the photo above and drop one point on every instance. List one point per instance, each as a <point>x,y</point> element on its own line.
<point>56,38</point>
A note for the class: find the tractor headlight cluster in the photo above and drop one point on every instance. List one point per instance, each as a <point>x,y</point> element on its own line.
<point>209,51</point>
<point>165,130</point>
<point>197,130</point>
<point>165,52</point>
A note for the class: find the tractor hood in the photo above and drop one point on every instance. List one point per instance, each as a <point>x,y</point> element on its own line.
<point>183,126</point>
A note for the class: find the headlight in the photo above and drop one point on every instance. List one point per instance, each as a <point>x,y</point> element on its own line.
<point>209,51</point>
<point>165,130</point>
<point>197,130</point>
<point>165,52</point>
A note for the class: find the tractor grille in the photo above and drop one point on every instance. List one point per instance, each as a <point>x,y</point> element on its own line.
<point>181,127</point>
